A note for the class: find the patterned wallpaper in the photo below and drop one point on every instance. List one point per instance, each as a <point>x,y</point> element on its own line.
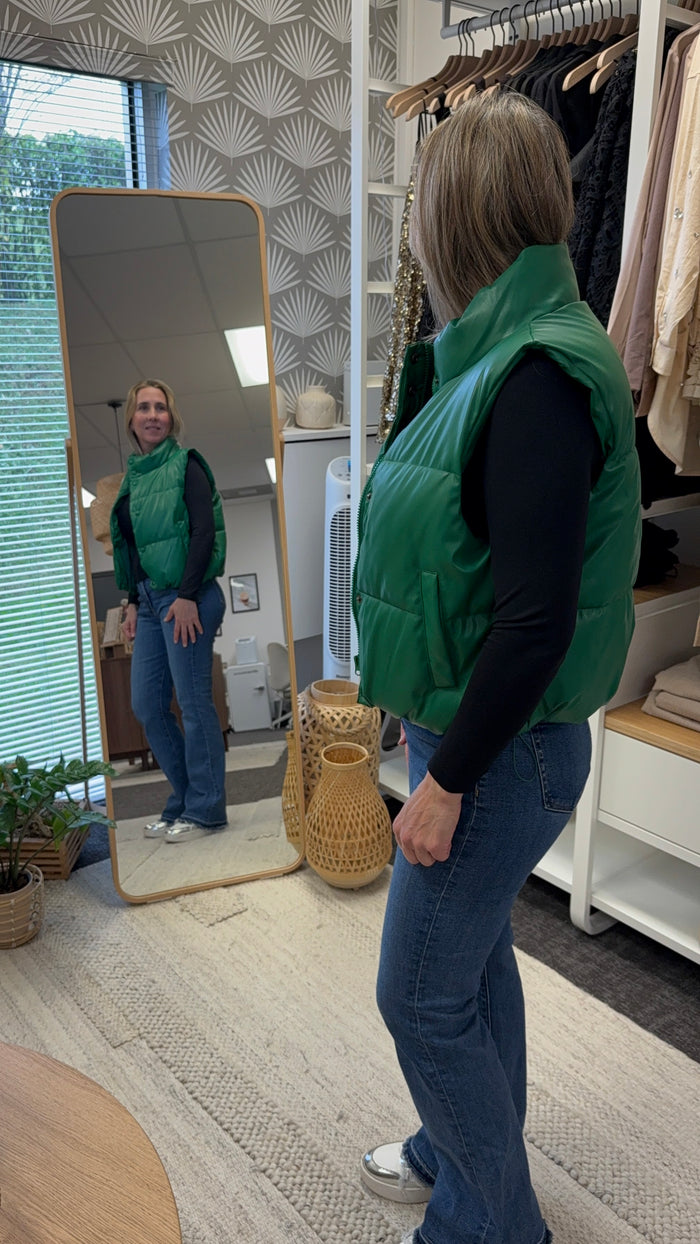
<point>258,102</point>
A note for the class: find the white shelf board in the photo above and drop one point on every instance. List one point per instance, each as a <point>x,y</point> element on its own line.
<point>672,505</point>
<point>385,189</point>
<point>380,86</point>
<point>338,430</point>
<point>557,865</point>
<point>651,840</point>
<point>393,776</point>
<point>659,896</point>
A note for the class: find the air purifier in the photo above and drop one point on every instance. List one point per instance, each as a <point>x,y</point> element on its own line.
<point>336,571</point>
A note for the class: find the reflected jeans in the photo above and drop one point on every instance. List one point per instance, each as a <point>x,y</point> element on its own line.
<point>194,762</point>
<point>449,989</point>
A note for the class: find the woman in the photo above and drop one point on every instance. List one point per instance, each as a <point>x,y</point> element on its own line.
<point>499,538</point>
<point>167,529</point>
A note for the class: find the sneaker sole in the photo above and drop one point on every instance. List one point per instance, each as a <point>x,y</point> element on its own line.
<point>393,1190</point>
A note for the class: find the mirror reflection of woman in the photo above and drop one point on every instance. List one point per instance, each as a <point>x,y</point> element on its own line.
<point>167,529</point>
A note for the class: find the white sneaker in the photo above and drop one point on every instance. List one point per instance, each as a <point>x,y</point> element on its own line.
<point>386,1172</point>
<point>183,831</point>
<point>157,829</point>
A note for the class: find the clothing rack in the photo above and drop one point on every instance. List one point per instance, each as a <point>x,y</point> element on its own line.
<point>654,15</point>
<point>507,15</point>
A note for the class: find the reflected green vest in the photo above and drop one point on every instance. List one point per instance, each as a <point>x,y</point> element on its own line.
<point>422,588</point>
<point>156,486</point>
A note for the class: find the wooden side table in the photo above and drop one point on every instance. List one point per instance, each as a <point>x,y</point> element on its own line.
<point>125,736</point>
<point>75,1166</point>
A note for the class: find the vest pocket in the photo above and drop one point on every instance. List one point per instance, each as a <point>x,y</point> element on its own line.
<point>438,656</point>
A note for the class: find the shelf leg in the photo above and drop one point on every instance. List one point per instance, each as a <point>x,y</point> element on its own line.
<point>580,910</point>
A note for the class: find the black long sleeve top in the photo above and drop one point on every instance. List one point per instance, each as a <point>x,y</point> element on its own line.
<point>526,490</point>
<point>200,508</point>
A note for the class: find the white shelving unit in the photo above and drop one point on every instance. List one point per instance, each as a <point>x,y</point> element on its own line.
<point>632,851</point>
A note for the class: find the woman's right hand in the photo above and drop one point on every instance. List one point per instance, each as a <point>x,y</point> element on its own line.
<point>129,623</point>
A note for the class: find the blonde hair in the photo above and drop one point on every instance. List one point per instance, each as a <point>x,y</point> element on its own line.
<point>491,180</point>
<point>177,427</point>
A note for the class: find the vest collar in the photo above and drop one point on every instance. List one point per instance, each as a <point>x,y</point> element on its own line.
<point>142,464</point>
<point>540,280</point>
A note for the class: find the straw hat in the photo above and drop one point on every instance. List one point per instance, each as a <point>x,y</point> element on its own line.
<point>101,508</point>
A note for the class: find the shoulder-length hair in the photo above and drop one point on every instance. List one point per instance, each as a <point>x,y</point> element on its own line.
<point>177,426</point>
<point>491,180</point>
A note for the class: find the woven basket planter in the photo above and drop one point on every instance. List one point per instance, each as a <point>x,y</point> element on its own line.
<point>329,713</point>
<point>348,827</point>
<point>290,795</point>
<point>22,912</point>
<point>56,863</point>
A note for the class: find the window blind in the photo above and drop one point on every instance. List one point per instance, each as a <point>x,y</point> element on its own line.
<point>56,130</point>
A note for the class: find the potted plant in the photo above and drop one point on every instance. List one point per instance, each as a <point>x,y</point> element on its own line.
<point>35,803</point>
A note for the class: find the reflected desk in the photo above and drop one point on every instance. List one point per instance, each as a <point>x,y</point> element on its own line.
<point>125,736</point>
<point>75,1166</point>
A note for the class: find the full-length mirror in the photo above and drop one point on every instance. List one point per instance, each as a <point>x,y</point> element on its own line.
<point>157,285</point>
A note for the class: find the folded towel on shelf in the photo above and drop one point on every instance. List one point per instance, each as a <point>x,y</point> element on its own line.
<point>679,704</point>
<point>675,695</point>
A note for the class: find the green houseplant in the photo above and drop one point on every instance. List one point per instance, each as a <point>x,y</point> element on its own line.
<point>35,804</point>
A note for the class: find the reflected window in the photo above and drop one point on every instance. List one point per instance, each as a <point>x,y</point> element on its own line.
<point>56,130</point>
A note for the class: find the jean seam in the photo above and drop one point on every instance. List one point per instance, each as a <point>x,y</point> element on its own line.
<point>154,607</point>
<point>419,1168</point>
<point>419,975</point>
<point>552,805</point>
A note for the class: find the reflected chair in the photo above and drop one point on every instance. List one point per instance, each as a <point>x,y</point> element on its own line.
<point>280,685</point>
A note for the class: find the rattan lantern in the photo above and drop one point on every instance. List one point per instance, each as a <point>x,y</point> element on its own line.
<point>290,795</point>
<point>329,713</point>
<point>348,828</point>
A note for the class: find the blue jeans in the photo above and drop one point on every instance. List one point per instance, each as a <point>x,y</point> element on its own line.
<point>449,989</point>
<point>194,762</point>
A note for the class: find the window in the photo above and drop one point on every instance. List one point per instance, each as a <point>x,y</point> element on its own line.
<point>56,130</point>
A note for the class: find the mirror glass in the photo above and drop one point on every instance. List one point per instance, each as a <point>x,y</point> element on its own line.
<point>150,284</point>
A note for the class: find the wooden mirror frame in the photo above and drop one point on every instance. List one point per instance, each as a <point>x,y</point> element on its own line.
<point>76,484</point>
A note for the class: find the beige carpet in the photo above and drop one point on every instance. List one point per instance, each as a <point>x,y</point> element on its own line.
<point>239,1027</point>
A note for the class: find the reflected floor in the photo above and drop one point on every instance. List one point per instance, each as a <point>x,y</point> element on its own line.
<point>248,756</point>
<point>254,840</point>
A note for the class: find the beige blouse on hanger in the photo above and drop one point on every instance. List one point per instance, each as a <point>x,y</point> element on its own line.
<point>674,420</point>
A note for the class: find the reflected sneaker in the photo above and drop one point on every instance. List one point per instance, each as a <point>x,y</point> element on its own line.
<point>183,831</point>
<point>386,1172</point>
<point>157,829</point>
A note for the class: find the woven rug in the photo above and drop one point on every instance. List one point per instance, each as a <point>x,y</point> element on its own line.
<point>239,1027</point>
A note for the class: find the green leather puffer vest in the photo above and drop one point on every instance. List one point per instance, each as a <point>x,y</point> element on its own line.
<point>156,486</point>
<point>422,587</point>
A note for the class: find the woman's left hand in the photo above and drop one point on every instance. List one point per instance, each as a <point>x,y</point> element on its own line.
<point>187,623</point>
<point>425,826</point>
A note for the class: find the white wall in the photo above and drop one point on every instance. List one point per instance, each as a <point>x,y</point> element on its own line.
<point>250,549</point>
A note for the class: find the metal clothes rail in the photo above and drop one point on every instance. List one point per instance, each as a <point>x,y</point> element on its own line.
<point>498,15</point>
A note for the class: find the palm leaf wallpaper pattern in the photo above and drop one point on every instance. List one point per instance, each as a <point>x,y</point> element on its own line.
<point>258,103</point>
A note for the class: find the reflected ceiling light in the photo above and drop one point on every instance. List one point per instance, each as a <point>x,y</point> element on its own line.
<point>271,469</point>
<point>88,498</point>
<point>248,347</point>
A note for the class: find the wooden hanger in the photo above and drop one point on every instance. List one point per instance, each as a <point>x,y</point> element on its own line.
<point>461,90</point>
<point>608,58</point>
<point>625,34</point>
<point>463,64</point>
<point>486,59</point>
<point>528,48</point>
<point>400,100</point>
<point>506,64</point>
